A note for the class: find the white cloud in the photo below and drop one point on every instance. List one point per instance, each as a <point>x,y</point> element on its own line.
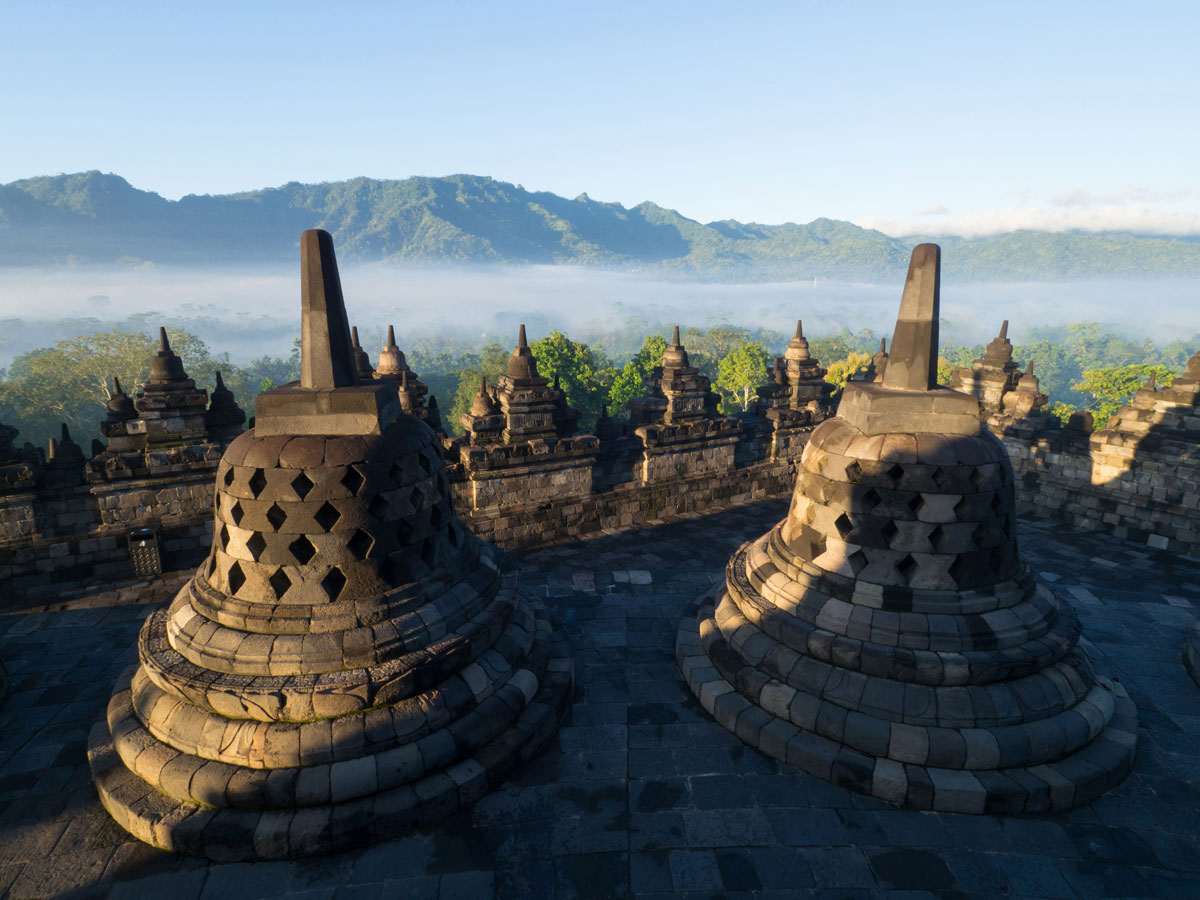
<point>1078,215</point>
<point>936,209</point>
<point>1125,196</point>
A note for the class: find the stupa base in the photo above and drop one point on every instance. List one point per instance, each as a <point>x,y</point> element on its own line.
<point>1062,784</point>
<point>228,833</point>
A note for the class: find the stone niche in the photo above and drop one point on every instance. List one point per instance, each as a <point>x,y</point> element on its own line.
<point>886,636</point>
<point>349,662</point>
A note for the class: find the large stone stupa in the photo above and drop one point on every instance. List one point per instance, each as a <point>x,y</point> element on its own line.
<point>886,636</point>
<point>350,661</point>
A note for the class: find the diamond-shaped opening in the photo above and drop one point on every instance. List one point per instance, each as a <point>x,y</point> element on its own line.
<point>302,484</point>
<point>236,512</point>
<point>327,516</point>
<point>404,532</point>
<point>280,583</point>
<point>416,499</point>
<point>960,571</point>
<point>858,561</point>
<point>352,480</point>
<point>236,578</point>
<point>889,531</point>
<point>360,544</point>
<point>212,567</point>
<point>816,546</point>
<point>379,507</point>
<point>223,537</point>
<point>896,472</point>
<point>907,567</point>
<point>854,472</point>
<point>981,534</point>
<point>1007,527</point>
<point>978,478</point>
<point>916,504</point>
<point>258,481</point>
<point>436,517</point>
<point>938,477</point>
<point>228,476</point>
<point>397,569</point>
<point>276,516</point>
<point>997,503</point>
<point>936,536</point>
<point>396,473</point>
<point>961,507</point>
<point>333,583</point>
<point>256,545</point>
<point>452,535</point>
<point>844,526</point>
<point>424,463</point>
<point>429,553</point>
<point>302,549</point>
<point>871,499</point>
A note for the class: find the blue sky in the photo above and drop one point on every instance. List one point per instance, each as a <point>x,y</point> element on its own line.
<point>956,117</point>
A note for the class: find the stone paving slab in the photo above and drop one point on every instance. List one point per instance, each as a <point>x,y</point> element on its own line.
<point>642,793</point>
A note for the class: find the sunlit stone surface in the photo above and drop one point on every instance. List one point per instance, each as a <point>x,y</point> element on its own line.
<point>350,661</point>
<point>886,635</point>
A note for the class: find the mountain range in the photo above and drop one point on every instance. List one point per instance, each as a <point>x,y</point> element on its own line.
<point>90,217</point>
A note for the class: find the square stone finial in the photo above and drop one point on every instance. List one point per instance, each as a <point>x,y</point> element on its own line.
<point>327,351</point>
<point>329,398</point>
<point>912,364</point>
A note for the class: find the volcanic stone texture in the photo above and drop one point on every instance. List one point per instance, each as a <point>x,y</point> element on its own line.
<point>1191,653</point>
<point>348,663</point>
<point>886,637</point>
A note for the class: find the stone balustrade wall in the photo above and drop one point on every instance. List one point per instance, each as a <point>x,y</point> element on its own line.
<point>79,533</point>
<point>61,535</point>
<point>1156,502</point>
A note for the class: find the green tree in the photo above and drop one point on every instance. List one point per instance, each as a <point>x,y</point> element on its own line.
<point>707,347</point>
<point>945,370</point>
<point>739,372</point>
<point>70,381</point>
<point>584,373</point>
<point>1112,387</point>
<point>489,363</point>
<point>630,381</point>
<point>839,372</point>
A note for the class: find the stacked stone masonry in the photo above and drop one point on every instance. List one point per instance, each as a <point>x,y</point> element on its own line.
<point>886,635</point>
<point>349,662</point>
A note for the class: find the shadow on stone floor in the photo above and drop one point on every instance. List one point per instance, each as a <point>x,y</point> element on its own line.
<point>642,793</point>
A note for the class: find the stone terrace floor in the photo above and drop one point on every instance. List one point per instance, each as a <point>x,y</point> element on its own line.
<point>641,793</point>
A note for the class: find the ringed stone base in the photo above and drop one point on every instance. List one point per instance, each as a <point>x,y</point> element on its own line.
<point>802,730</point>
<point>159,794</point>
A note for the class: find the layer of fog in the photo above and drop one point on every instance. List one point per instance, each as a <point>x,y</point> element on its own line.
<point>251,313</point>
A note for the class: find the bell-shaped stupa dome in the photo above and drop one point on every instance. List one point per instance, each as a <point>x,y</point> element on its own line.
<point>349,661</point>
<point>886,636</point>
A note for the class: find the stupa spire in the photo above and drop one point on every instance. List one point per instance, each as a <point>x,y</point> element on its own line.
<point>912,364</point>
<point>326,354</point>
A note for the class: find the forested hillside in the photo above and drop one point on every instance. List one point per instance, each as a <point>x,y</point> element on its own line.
<point>91,217</point>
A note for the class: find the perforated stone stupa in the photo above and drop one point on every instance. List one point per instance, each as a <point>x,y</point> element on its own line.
<point>886,636</point>
<point>350,661</point>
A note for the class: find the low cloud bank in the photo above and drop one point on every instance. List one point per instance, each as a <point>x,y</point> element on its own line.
<point>1073,211</point>
<point>252,313</point>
